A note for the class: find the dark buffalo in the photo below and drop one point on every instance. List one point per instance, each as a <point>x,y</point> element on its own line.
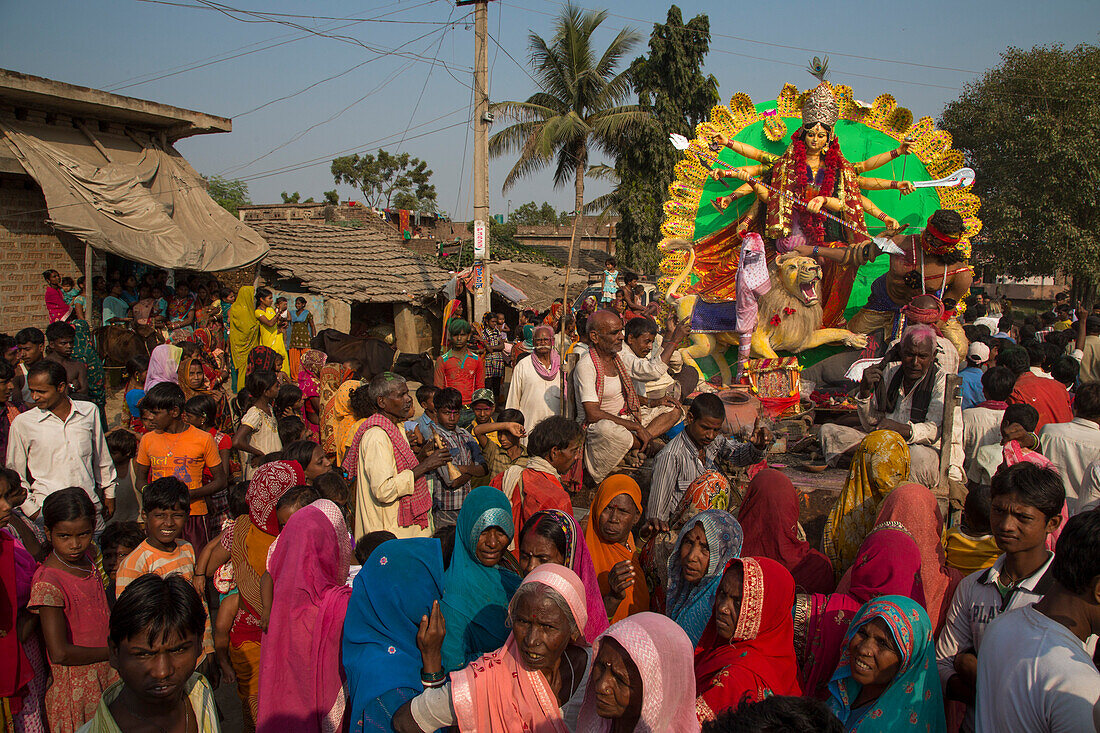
<point>117,344</point>
<point>375,354</point>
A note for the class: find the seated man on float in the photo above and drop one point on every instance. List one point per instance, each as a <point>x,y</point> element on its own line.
<point>618,420</point>
<point>698,448</point>
<point>648,358</point>
<point>933,262</point>
<point>928,310</point>
<point>906,395</point>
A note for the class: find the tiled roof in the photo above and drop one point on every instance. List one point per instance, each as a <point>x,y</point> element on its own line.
<point>364,265</point>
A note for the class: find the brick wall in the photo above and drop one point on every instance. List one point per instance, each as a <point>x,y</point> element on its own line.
<point>28,245</point>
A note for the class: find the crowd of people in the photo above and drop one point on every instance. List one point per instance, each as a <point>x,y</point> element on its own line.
<point>350,554</point>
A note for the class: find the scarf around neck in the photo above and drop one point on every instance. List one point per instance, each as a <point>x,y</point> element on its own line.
<point>412,509</point>
<point>631,405</point>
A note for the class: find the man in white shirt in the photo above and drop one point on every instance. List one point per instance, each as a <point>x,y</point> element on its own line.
<point>982,423</point>
<point>535,389</point>
<point>618,419</point>
<point>60,443</point>
<point>1034,672</point>
<point>649,366</point>
<point>1025,507</point>
<point>1072,446</point>
<point>906,396</point>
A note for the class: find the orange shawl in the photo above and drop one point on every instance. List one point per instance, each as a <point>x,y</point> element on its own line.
<point>605,555</point>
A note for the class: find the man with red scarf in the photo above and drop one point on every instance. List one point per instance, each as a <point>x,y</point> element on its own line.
<point>931,262</point>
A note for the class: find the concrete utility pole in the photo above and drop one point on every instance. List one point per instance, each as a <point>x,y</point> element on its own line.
<point>482,119</point>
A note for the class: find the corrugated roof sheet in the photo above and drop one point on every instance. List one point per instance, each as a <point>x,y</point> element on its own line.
<point>364,265</point>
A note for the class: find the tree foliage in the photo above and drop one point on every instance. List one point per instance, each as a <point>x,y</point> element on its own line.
<point>295,198</point>
<point>531,214</point>
<point>331,197</point>
<point>1029,128</point>
<point>672,88</point>
<point>387,180</point>
<point>228,193</point>
<point>579,107</point>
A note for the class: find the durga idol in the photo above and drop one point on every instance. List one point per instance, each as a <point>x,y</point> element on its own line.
<point>814,173</point>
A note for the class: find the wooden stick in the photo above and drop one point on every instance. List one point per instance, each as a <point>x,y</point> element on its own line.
<point>567,310</point>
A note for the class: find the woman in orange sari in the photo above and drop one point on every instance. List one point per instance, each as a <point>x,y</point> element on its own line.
<point>615,509</point>
<point>337,420</point>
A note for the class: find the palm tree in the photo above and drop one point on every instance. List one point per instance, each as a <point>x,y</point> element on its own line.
<point>579,107</point>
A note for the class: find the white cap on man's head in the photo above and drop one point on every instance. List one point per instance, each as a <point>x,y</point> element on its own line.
<point>978,353</point>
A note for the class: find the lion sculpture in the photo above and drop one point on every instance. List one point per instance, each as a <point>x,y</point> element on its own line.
<point>789,317</point>
<point>790,313</point>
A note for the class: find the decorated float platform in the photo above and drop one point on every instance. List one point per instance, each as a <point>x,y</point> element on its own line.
<point>863,131</point>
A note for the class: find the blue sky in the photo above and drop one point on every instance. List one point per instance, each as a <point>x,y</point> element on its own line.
<point>406,72</point>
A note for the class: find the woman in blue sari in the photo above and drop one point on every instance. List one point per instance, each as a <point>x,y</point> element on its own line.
<point>887,680</point>
<point>381,660</point>
<point>480,580</point>
<point>703,548</point>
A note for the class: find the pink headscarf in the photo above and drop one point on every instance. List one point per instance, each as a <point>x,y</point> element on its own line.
<point>579,560</point>
<point>496,692</point>
<point>913,508</point>
<point>1012,454</point>
<point>301,678</point>
<point>662,652</point>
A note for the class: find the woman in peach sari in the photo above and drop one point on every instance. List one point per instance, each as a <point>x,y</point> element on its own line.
<point>535,682</point>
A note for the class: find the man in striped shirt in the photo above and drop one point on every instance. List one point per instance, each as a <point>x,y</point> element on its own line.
<point>699,447</point>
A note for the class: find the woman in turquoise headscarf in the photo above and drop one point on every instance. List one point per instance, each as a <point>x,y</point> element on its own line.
<point>703,548</point>
<point>893,686</point>
<point>480,580</point>
<point>381,659</point>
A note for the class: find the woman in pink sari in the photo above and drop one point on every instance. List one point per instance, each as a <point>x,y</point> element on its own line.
<point>912,507</point>
<point>654,655</point>
<point>301,678</point>
<point>888,563</point>
<point>535,682</point>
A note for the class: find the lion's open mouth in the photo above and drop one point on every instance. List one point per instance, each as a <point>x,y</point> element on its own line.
<point>809,291</point>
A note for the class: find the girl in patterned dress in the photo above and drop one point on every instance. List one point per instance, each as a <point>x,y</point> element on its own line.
<point>68,594</point>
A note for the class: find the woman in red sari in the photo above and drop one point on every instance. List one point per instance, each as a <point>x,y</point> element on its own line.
<point>747,649</point>
<point>769,517</point>
<point>914,508</point>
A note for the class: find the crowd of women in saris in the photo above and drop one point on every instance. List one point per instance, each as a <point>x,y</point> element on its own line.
<point>554,625</point>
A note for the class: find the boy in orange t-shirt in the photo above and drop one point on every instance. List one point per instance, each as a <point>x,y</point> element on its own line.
<point>163,552</point>
<point>175,448</point>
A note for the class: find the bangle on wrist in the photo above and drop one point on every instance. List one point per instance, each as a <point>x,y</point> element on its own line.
<point>1034,437</point>
<point>895,185</point>
<point>432,677</point>
<point>894,153</point>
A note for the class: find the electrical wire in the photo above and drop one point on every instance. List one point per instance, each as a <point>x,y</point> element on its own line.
<point>424,87</point>
<point>449,27</point>
<point>839,72</point>
<point>217,58</point>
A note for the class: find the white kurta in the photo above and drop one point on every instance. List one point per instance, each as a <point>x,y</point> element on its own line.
<point>535,397</point>
<point>379,486</point>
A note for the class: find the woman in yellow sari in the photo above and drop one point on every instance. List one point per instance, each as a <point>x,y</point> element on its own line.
<point>244,332</point>
<point>270,334</point>
<point>880,465</point>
